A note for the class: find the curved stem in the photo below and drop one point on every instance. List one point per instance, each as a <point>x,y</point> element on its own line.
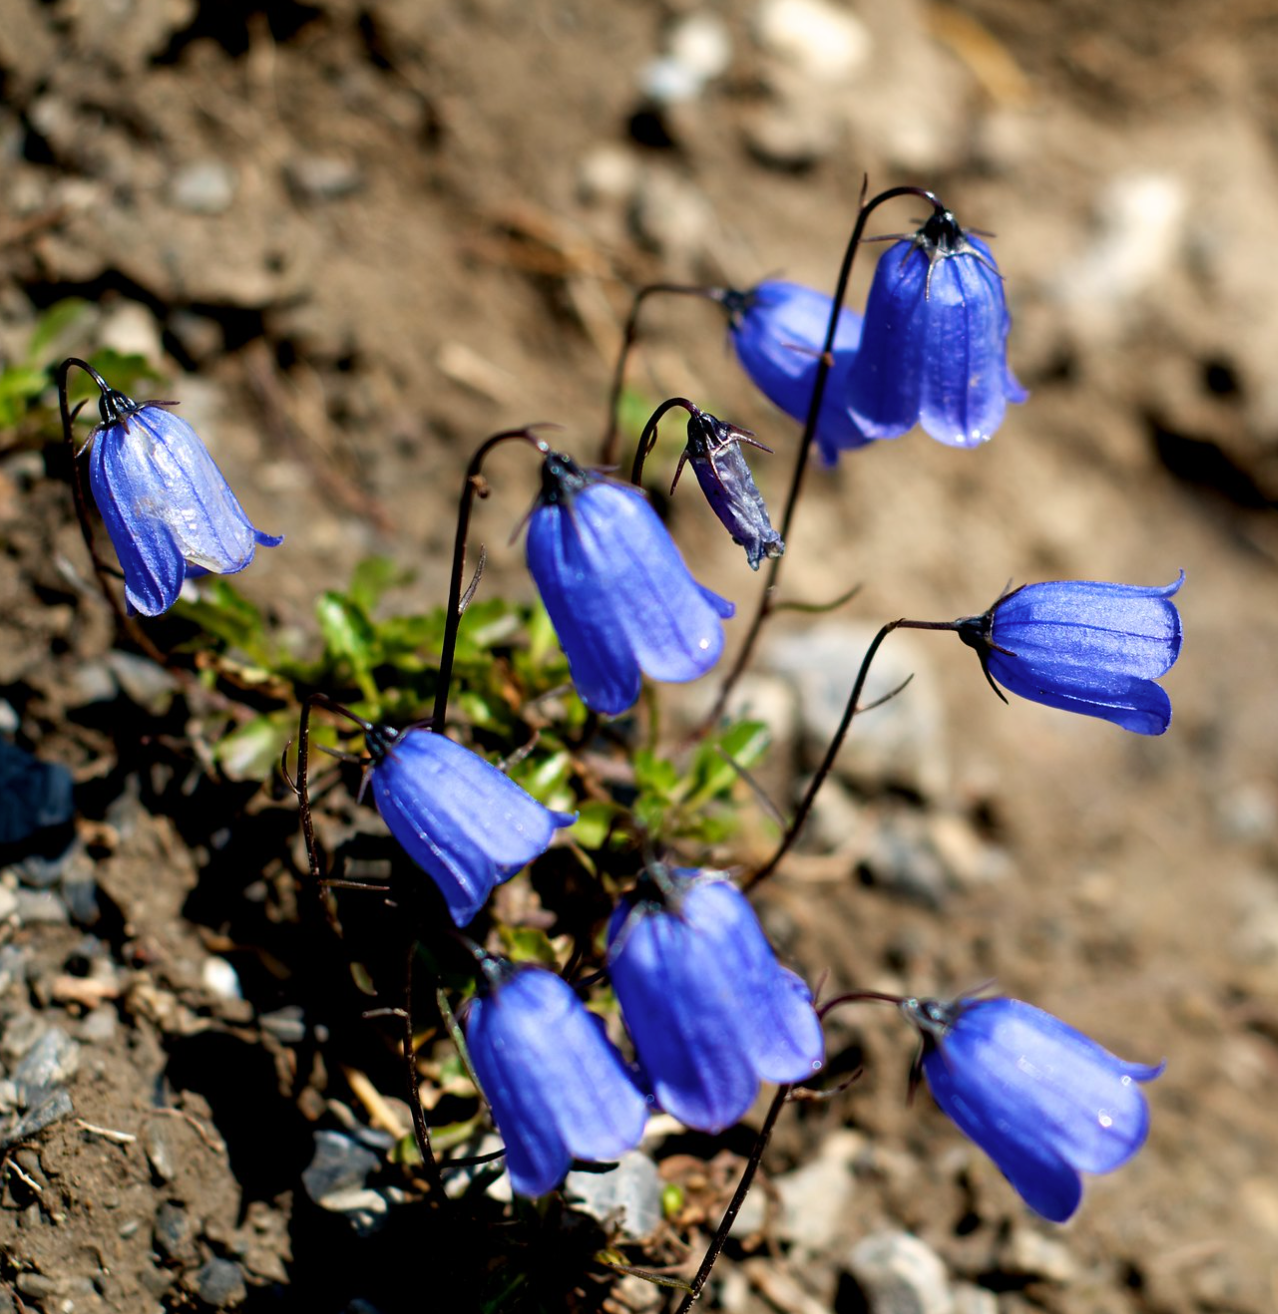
<point>421,1131</point>
<point>472,486</point>
<point>608,449</point>
<point>836,743</point>
<point>738,1199</point>
<point>648,439</point>
<point>824,362</point>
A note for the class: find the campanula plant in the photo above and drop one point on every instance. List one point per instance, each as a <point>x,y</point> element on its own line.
<point>1084,647</point>
<point>618,593</point>
<point>169,512</point>
<point>778,330</point>
<point>934,344</point>
<point>460,819</point>
<point>714,452</point>
<point>711,1011</point>
<point>556,1086</point>
<point>1041,1099</point>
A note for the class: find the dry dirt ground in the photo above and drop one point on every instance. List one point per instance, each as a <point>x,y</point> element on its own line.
<point>359,235</point>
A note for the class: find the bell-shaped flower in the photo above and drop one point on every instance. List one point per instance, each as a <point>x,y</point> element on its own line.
<point>167,508</point>
<point>468,826</point>
<point>618,593</point>
<point>1084,647</point>
<point>557,1088</point>
<point>714,451</point>
<point>934,343</point>
<point>778,330</point>
<point>711,1011</point>
<point>1041,1099</point>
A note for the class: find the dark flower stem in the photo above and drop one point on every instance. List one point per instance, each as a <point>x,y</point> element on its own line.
<point>836,743</point>
<point>648,439</point>
<point>738,1199</point>
<point>125,622</point>
<point>608,449</point>
<point>824,362</point>
<point>472,487</point>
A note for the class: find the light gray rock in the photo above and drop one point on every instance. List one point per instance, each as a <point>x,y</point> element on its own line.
<point>337,1167</point>
<point>628,1196</point>
<point>204,187</point>
<point>900,1274</point>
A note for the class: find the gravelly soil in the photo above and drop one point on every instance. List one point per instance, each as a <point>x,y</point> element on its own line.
<point>357,237</point>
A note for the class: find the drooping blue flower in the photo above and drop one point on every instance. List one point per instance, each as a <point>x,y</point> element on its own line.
<point>711,1011</point>
<point>934,343</point>
<point>778,330</point>
<point>618,593</point>
<point>1084,647</point>
<point>557,1088</point>
<point>167,508</point>
<point>1041,1099</point>
<point>468,826</point>
<point>714,450</point>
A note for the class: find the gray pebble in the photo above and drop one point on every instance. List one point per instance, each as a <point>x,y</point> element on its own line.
<point>41,908</point>
<point>900,1274</point>
<point>51,1061</point>
<point>220,1284</point>
<point>158,1152</point>
<point>204,187</point>
<point>174,1234</point>
<point>45,1109</point>
<point>150,686</point>
<point>99,1027</point>
<point>628,1195</point>
<point>13,965</point>
<point>8,903</point>
<point>322,177</point>
<point>337,1165</point>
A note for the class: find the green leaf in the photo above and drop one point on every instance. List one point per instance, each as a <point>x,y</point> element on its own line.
<point>594,821</point>
<point>252,751</point>
<point>526,944</point>
<point>348,637</point>
<point>371,578</point>
<point>226,615</point>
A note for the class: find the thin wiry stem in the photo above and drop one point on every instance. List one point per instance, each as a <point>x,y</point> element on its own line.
<point>648,439</point>
<point>824,362</point>
<point>472,486</point>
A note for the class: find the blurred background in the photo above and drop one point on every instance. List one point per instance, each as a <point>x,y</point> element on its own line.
<point>354,237</point>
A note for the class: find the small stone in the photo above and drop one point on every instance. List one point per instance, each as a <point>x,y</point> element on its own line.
<point>174,1234</point>
<point>970,1299</point>
<point>627,1196</point>
<point>204,187</point>
<point>220,978</point>
<point>220,1284</point>
<point>322,177</point>
<point>899,1274</point>
<point>365,1209</point>
<point>338,1165</point>
<point>815,1196</point>
<point>1030,1254</point>
<point>45,1110</point>
<point>41,908</point>
<point>823,41</point>
<point>159,1153</point>
<point>150,686</point>
<point>51,1061</point>
<point>8,903</point>
<point>609,174</point>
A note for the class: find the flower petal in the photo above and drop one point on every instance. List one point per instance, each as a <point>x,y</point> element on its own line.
<point>1140,706</point>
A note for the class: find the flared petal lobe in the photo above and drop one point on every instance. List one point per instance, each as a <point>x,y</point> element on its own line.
<point>709,1008</point>
<point>557,1088</point>
<point>1041,1099</point>
<point>1087,647</point>
<point>167,508</point>
<point>618,593</point>
<point>468,826</point>
<point>778,330</point>
<point>934,343</point>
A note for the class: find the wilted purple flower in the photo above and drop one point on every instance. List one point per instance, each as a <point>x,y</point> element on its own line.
<point>468,826</point>
<point>1041,1099</point>
<point>778,330</point>
<point>618,593</point>
<point>164,502</point>
<point>710,1010</point>
<point>1083,647</point>
<point>934,344</point>
<point>556,1086</point>
<point>714,449</point>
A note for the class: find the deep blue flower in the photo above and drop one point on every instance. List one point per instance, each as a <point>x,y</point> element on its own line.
<point>557,1088</point>
<point>778,330</point>
<point>617,590</point>
<point>164,502</point>
<point>1041,1099</point>
<point>934,344</point>
<point>460,819</point>
<point>714,450</point>
<point>711,1011</point>
<point>1083,647</point>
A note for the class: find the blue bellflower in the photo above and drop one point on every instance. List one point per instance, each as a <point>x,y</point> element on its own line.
<point>618,593</point>
<point>714,450</point>
<point>1041,1099</point>
<point>468,826</point>
<point>167,508</point>
<point>711,1011</point>
<point>557,1088</point>
<point>934,344</point>
<point>778,330</point>
<point>1083,647</point>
